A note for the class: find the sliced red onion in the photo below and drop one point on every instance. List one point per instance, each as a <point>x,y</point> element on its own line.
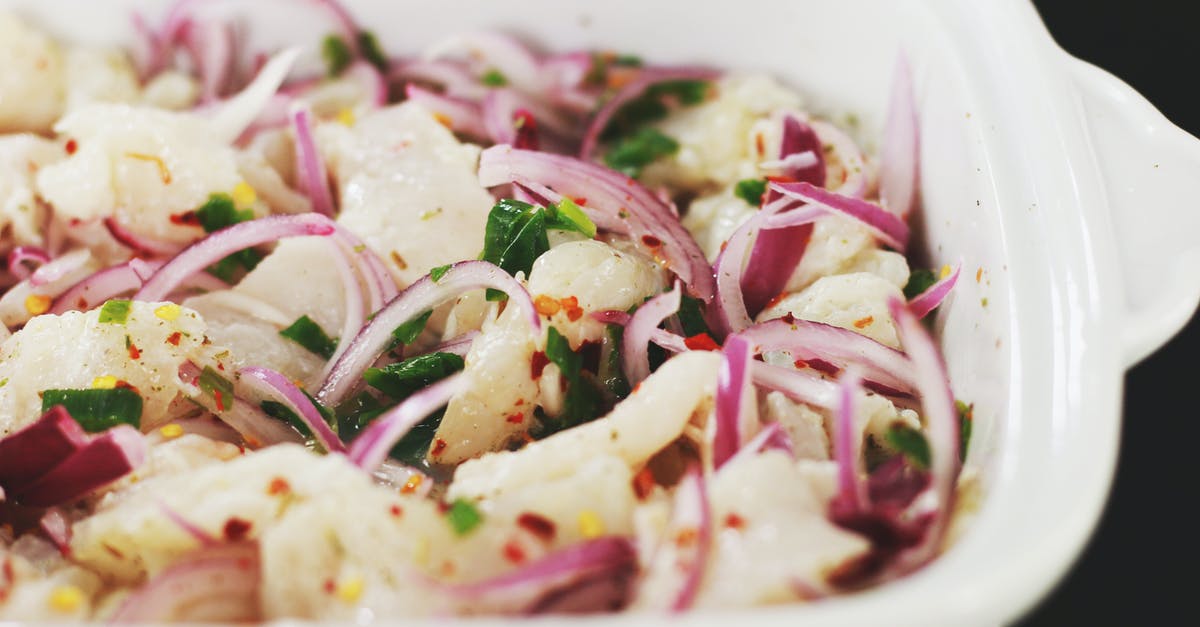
<point>899,159</point>
<point>797,161</point>
<point>886,227</point>
<point>796,385</point>
<point>491,50</point>
<point>139,243</point>
<point>205,538</point>
<point>690,534</point>
<point>372,81</point>
<point>941,430</point>
<point>58,268</point>
<point>807,340</point>
<point>212,585</point>
<point>211,45</point>
<point>220,244</point>
<point>854,168</point>
<point>799,138</point>
<point>565,81</point>
<point>632,90</point>
<point>773,437</point>
<point>734,394</point>
<point>460,345</point>
<point>147,54</point>
<point>634,342</point>
<point>847,442</point>
<point>236,114</point>
<point>36,449</point>
<point>421,296</point>
<point>927,301</point>
<point>661,337</point>
<point>57,527</point>
<point>381,287</point>
<point>454,78</point>
<point>21,257</point>
<point>267,382</point>
<point>461,116</point>
<point>347,28</point>
<point>310,168</point>
<point>104,459</point>
<point>497,110</point>
<point>609,198</point>
<point>353,317</point>
<point>371,447</point>
<point>255,427</point>
<point>104,285</point>
<point>538,586</point>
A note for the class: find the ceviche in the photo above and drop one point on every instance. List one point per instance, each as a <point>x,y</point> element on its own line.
<point>479,330</point>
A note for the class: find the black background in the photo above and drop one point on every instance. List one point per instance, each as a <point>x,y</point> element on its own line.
<point>1139,567</point>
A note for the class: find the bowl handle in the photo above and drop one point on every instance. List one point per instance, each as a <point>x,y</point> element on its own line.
<point>1152,172</point>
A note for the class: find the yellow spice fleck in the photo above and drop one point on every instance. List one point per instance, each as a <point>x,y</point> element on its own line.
<point>171,431</point>
<point>66,598</point>
<point>105,382</point>
<point>421,552</point>
<point>168,312</point>
<point>244,195</point>
<point>590,524</point>
<point>946,270</point>
<point>37,304</point>
<point>346,117</point>
<point>349,590</point>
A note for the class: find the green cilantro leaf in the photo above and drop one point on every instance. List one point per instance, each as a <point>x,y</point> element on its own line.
<point>653,105</point>
<point>307,333</point>
<point>911,443</point>
<point>437,273</point>
<point>369,46</point>
<point>918,281</point>
<point>751,191</point>
<point>401,379</point>
<point>493,78</point>
<point>639,150</point>
<point>219,212</point>
<point>97,409</point>
<point>515,236</point>
<point>337,55</point>
<point>408,332</point>
<point>966,421</point>
<point>582,401</point>
<point>463,517</point>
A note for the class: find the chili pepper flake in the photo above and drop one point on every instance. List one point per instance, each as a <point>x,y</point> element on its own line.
<point>72,146</point>
<point>643,483</point>
<point>444,120</point>
<point>515,418</point>
<point>329,586</point>
<point>412,484</point>
<point>187,218</point>
<point>541,527</point>
<point>170,431</point>
<point>978,274</point>
<point>537,364</point>
<point>134,351</point>
<point>66,599</point>
<point>37,304</point>
<point>686,537</point>
<point>733,521</point>
<point>168,312</point>
<point>546,305</point>
<point>220,400</point>
<point>439,446</point>
<point>513,552</point>
<point>651,241</point>
<point>278,486</point>
<point>173,339</point>
<point>701,342</point>
<point>396,511</point>
<point>863,323</point>
<point>236,529</point>
<point>571,305</point>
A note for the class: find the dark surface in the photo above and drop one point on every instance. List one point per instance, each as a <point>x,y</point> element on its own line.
<point>1140,567</point>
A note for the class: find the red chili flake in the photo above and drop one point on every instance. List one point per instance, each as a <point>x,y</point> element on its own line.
<point>783,178</point>
<point>236,529</point>
<point>513,552</point>
<point>439,445</point>
<point>122,383</point>
<point>643,483</point>
<point>580,200</point>
<point>520,401</point>
<point>733,521</point>
<point>396,511</point>
<point>399,261</point>
<point>540,526</point>
<point>278,486</point>
<point>219,399</point>
<point>173,339</point>
<point>81,304</point>
<point>134,353</point>
<point>800,364</point>
<point>443,507</point>
<point>515,418</point>
<point>72,146</point>
<point>978,275</point>
<point>526,128</point>
<point>651,241</point>
<point>571,305</point>
<point>758,144</point>
<point>776,300</point>
<point>788,318</point>
<point>862,323</point>
<point>537,364</point>
<point>220,366</point>
<point>187,218</point>
<point>687,537</point>
<point>329,586</point>
<point>546,306</point>
<point>724,245</point>
<point>701,342</point>
<point>447,568</point>
<point>112,550</point>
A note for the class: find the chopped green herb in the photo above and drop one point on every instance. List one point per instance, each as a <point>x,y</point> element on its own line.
<point>307,333</point>
<point>639,150</point>
<point>493,78</point>
<point>399,380</point>
<point>751,191</point>
<point>408,332</point>
<point>336,53</point>
<point>582,401</point>
<point>355,414</point>
<point>919,281</point>
<point>966,421</point>
<point>437,273</point>
<point>627,60</point>
<point>115,312</point>
<point>282,412</point>
<point>219,212</point>
<point>691,317</point>
<point>653,105</point>
<point>97,409</point>
<point>463,517</point>
<point>216,386</point>
<point>610,373</point>
<point>369,46</point>
<point>515,236</point>
<point>911,443</point>
<point>567,216</point>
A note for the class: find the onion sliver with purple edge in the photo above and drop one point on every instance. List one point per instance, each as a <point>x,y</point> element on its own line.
<point>888,229</point>
<point>20,257</point>
<point>36,449</point>
<point>371,447</point>
<point>796,385</point>
<point>310,168</point>
<point>462,116</point>
<point>941,431</point>
<point>104,459</point>
<point>354,317</point>
<point>212,584</point>
<point>420,297</point>
<point>503,53</point>
<point>140,243</point>
<point>899,159</point>
<point>927,301</point>
<point>800,138</point>
<point>453,77</point>
<point>662,337</point>
<point>58,268</point>
<point>608,197</point>
<point>267,382</point>
<point>104,285</point>
<point>807,340</point>
<point>734,396</point>
<point>773,437</point>
<point>201,536</point>
<point>372,81</point>
<point>528,585</point>
<point>380,285</point>
<point>635,359</point>
<point>217,246</point>
<point>854,175</point>
<point>847,441</point>
<point>257,428</point>
<point>631,91</point>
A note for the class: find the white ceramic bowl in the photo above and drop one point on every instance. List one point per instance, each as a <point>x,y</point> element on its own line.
<point>1057,180</point>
